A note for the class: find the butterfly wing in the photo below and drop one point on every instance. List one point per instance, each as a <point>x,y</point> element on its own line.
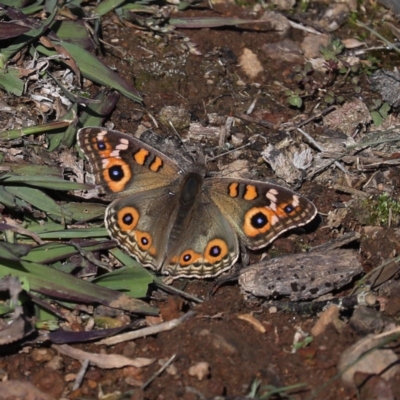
<point>259,212</point>
<point>206,244</point>
<point>122,164</point>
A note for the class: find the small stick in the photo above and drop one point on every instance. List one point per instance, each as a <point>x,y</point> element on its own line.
<point>150,330</point>
<point>81,374</point>
<point>320,148</point>
<point>159,372</point>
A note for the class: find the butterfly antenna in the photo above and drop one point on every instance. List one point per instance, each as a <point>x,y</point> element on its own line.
<point>180,138</point>
<point>228,152</point>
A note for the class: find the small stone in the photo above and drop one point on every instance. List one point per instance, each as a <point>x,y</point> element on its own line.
<point>201,370</point>
<point>286,50</point>
<point>250,63</point>
<point>40,355</point>
<point>178,117</point>
<point>56,363</point>
<point>312,44</point>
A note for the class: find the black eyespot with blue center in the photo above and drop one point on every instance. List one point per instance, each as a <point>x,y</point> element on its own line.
<point>289,209</point>
<point>259,220</point>
<point>144,241</point>
<point>101,145</point>
<point>127,219</point>
<point>116,173</point>
<point>187,257</point>
<point>215,251</point>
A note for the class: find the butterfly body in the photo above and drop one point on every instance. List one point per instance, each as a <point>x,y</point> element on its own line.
<point>177,220</point>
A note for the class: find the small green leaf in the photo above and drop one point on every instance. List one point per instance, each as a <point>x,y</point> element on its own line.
<point>384,110</point>
<point>295,101</point>
<point>10,82</point>
<point>376,118</point>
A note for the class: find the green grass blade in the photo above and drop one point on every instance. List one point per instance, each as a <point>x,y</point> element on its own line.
<point>107,5</point>
<point>73,32</point>
<point>56,284</point>
<point>82,212</point>
<point>39,200</point>
<point>74,234</point>
<point>52,252</point>
<point>93,69</point>
<point>133,280</point>
<point>31,130</point>
<point>45,182</point>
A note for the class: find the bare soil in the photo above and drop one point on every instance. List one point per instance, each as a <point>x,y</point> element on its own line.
<point>165,73</point>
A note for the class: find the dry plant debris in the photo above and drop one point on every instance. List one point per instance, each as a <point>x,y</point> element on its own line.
<point>314,112</point>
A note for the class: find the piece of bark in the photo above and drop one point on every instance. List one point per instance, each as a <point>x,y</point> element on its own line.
<point>301,276</point>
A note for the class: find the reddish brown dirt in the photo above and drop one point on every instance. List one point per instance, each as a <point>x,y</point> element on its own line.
<point>235,351</point>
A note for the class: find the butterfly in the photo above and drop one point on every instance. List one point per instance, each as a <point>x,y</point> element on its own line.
<point>174,218</point>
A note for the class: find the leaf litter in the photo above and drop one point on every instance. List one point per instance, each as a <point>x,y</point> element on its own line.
<point>302,124</point>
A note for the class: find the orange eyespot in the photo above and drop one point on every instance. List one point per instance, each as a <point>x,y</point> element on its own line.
<point>258,220</point>
<point>144,240</point>
<point>117,174</point>
<point>188,257</point>
<point>216,250</point>
<point>127,218</point>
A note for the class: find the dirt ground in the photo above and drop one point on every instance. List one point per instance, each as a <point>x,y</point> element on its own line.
<point>237,352</point>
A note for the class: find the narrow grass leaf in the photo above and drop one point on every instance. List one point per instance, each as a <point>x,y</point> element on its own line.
<point>209,22</point>
<point>9,30</point>
<point>32,130</point>
<point>73,32</point>
<point>95,114</point>
<point>30,170</point>
<point>24,39</point>
<point>75,234</point>
<point>132,280</point>
<point>56,284</point>
<point>6,198</point>
<point>93,69</point>
<point>107,5</point>
<point>82,212</point>
<point>39,200</point>
<point>67,136</point>
<point>13,252</point>
<point>45,182</point>
<point>33,8</point>
<point>50,226</point>
<point>13,3</point>
<point>49,5</point>
<point>52,252</point>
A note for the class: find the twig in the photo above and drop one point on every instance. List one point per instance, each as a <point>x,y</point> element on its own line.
<point>253,120</point>
<point>350,190</point>
<point>320,148</point>
<point>389,45</point>
<point>159,372</point>
<point>313,117</point>
<point>81,374</point>
<point>150,330</point>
